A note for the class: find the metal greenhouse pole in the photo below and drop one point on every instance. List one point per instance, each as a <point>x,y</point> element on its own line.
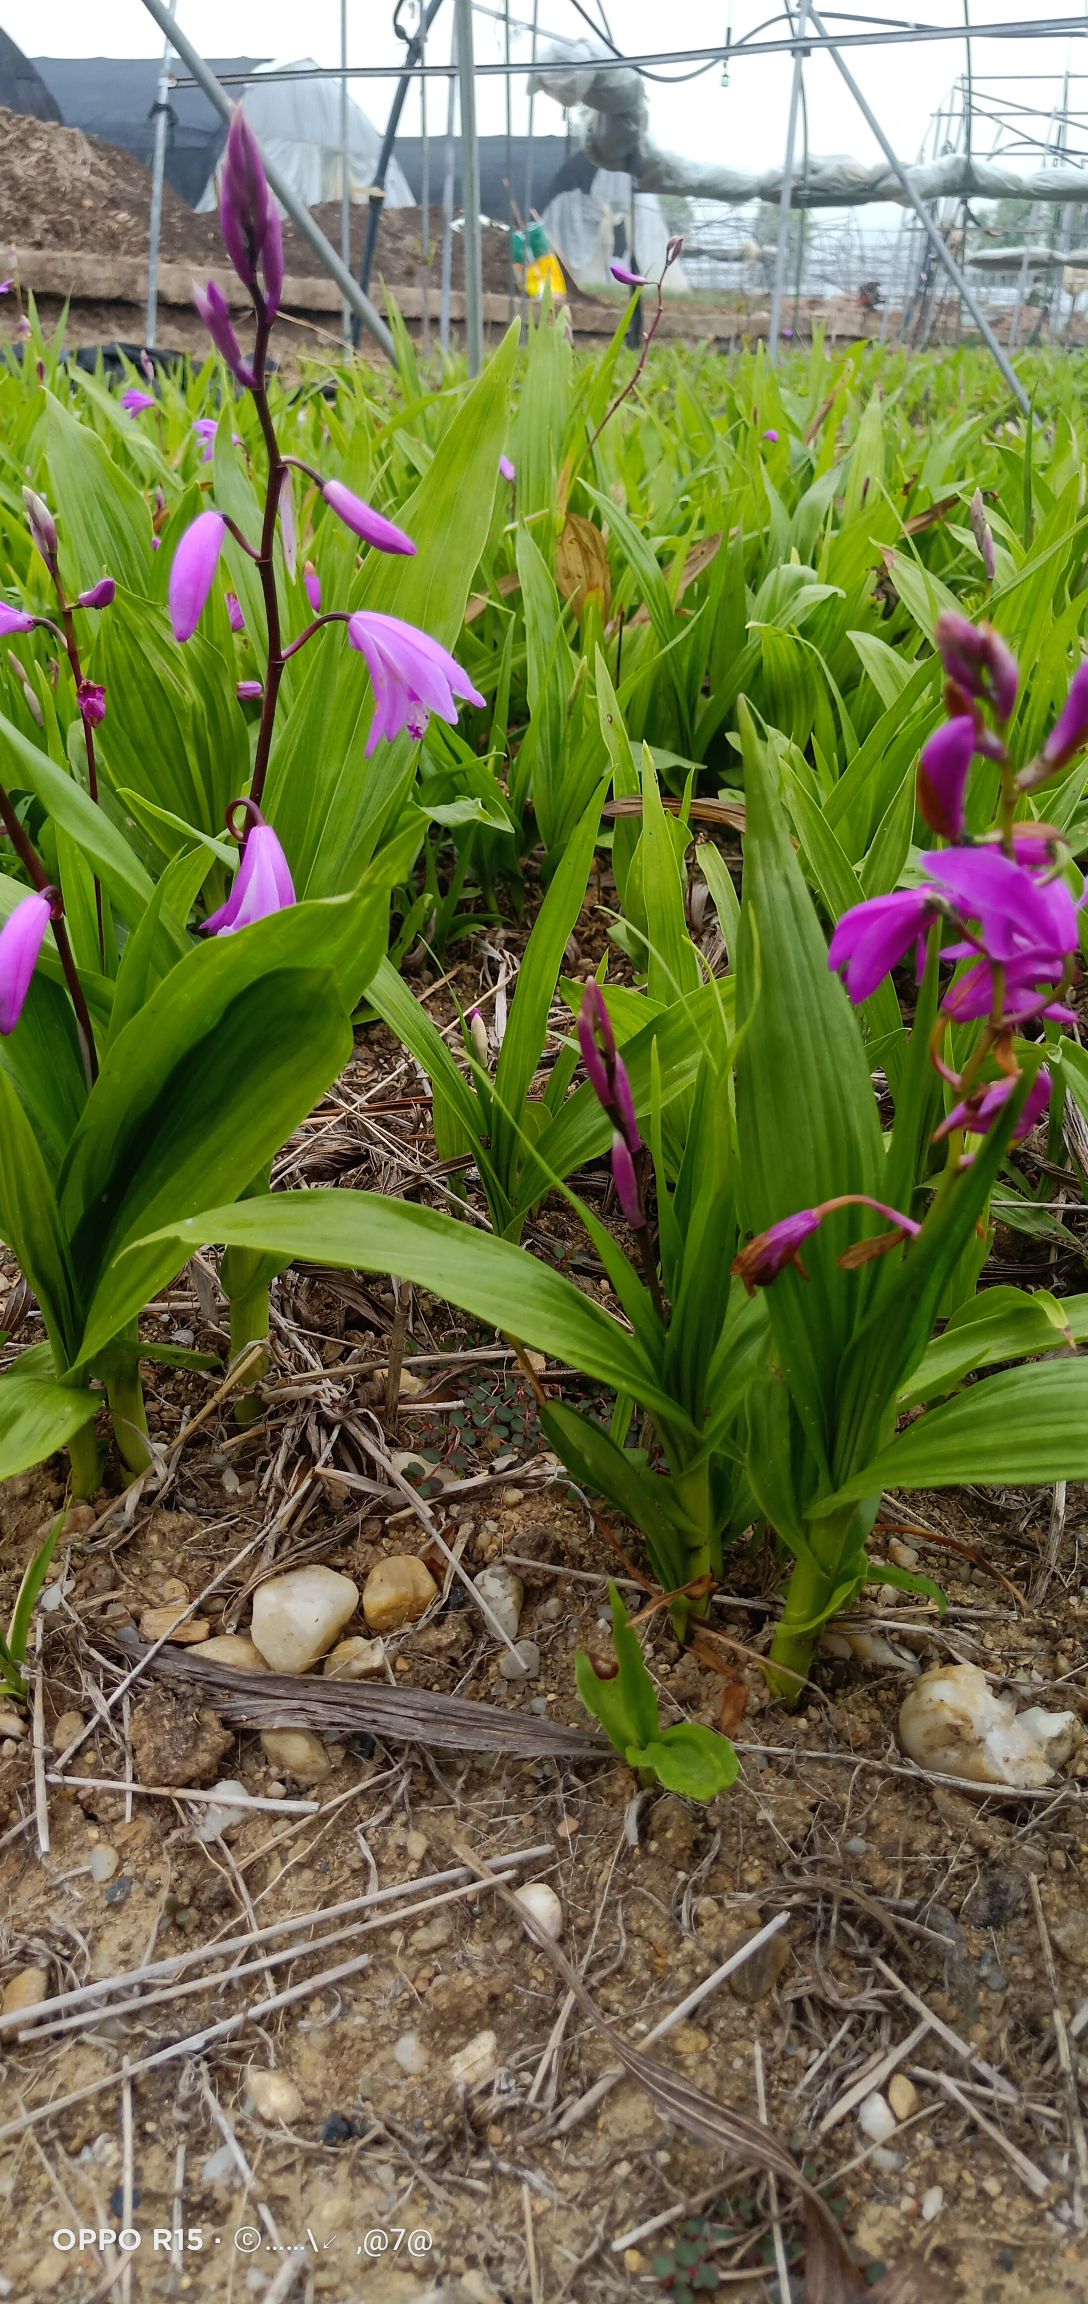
<point>299,215</point>
<point>158,171</point>
<point>470,192</point>
<point>782,246</point>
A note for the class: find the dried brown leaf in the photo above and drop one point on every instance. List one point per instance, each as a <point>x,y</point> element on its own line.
<point>581,565</point>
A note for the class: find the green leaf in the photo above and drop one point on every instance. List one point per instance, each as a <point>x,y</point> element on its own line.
<point>625,1705</point>
<point>105,523</point>
<point>527,1026</point>
<point>30,1223</point>
<point>38,1415</point>
<point>689,1759</point>
<point>1025,1428</point>
<point>1002,1324</point>
<point>623,1476</point>
<point>23,768</point>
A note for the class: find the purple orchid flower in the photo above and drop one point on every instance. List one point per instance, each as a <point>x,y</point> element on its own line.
<point>6,287</point>
<point>872,938</point>
<point>978,660</point>
<point>411,674</point>
<point>21,940</point>
<point>312,583</point>
<point>134,401</point>
<point>235,614</point>
<point>1070,730</point>
<point>263,883</point>
<point>771,435</point>
<point>214,310</point>
<point>771,1252</point>
<point>91,699</point>
<point>978,1113</point>
<point>507,468</point>
<point>1020,917</point>
<point>193,572</point>
<point>1022,996</point>
<point>942,776</point>
<point>363,521</point>
<point>627,278</point>
<point>15,620</point>
<point>100,595</point>
<point>608,1078</point>
<point>249,691</point>
<point>248,217</point>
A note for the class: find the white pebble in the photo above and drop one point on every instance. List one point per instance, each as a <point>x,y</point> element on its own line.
<point>272,2095</point>
<point>954,1724</point>
<point>522,1662</point>
<point>410,2053</point>
<point>298,1752</point>
<point>211,1822</point>
<point>543,1905</point>
<point>475,2063</point>
<point>876,2119</point>
<point>297,1617</point>
<point>504,1593</point>
<point>932,2204</point>
<point>105,1861</point>
<point>220,2167</point>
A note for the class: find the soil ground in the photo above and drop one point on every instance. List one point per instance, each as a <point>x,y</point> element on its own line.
<point>927,1930</point>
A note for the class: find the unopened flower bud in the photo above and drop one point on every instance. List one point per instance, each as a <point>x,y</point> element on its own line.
<point>942,776</point>
<point>249,218</point>
<point>477,1035</point>
<point>674,250</point>
<point>92,703</point>
<point>978,660</point>
<point>101,595</point>
<point>983,535</point>
<point>42,526</point>
<point>214,310</point>
<point>1070,731</point>
<point>625,1179</point>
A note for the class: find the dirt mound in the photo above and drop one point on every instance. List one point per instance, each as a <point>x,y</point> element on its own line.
<point>62,189</point>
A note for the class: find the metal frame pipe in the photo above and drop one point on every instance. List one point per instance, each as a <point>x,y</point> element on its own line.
<point>300,216</point>
<point>470,192</point>
<point>782,244</point>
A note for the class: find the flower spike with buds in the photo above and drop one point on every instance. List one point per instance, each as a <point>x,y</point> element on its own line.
<point>249,218</point>
<point>214,310</point>
<point>607,1075</point>
<point>978,661</point>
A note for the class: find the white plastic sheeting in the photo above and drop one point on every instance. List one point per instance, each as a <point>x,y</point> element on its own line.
<point>582,227</point>
<point>298,126</point>
<point>615,132</point>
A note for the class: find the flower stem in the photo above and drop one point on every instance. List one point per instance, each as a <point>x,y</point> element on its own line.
<point>28,856</point>
<point>72,650</point>
<point>247,1294</point>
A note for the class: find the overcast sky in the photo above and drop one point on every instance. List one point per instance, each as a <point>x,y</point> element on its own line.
<point>743,121</point>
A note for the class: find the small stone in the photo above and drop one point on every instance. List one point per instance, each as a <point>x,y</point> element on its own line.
<point>272,2095</point>
<point>759,1975</point>
<point>542,1905</point>
<point>396,1592</point>
<point>903,1555</point>
<point>298,1752</point>
<point>410,2053</point>
<point>433,1934</point>
<point>876,2119</point>
<point>504,1593</point>
<point>174,1589</point>
<point>235,1649</point>
<point>299,1616</point>
<point>166,1624</point>
<point>355,1659</point>
<point>66,1729</point>
<point>886,2160</point>
<point>476,2063</point>
<point>216,1818</point>
<point>932,2204</point>
<point>105,1861</point>
<point>415,1847</point>
<point>27,1989</point>
<point>12,1723</point>
<point>902,2096</point>
<point>522,1662</point>
<point>220,2167</point>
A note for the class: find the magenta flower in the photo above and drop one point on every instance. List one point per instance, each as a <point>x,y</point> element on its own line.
<point>771,435</point>
<point>193,572</point>
<point>214,310</point>
<point>1070,730</point>
<point>21,940</point>
<point>772,1251</point>
<point>234,612</point>
<point>1022,996</point>
<point>978,1113</point>
<point>14,620</point>
<point>249,691</point>
<point>978,660</point>
<point>134,401</point>
<point>248,217</point>
<point>627,278</point>
<point>263,883</point>
<point>872,938</point>
<point>312,582</point>
<point>411,674</point>
<point>100,595</point>
<point>625,1179</point>
<point>942,776</point>
<point>91,700</point>
<point>507,468</point>
<point>608,1078</point>
<point>1020,917</point>
<point>363,520</point>
<point>6,287</point>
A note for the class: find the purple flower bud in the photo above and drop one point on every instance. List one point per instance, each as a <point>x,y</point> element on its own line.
<point>771,1251</point>
<point>263,884</point>
<point>674,249</point>
<point>92,703</point>
<point>193,572</point>
<point>771,435</point>
<point>21,940</point>
<point>234,612</point>
<point>214,310</point>
<point>363,520</point>
<point>627,278</point>
<point>978,1113</point>
<point>625,1179</point>
<point>249,691</point>
<point>288,531</point>
<point>977,659</point>
<point>205,429</point>
<point>43,527</point>
<point>942,776</point>
<point>983,535</point>
<point>1070,730</point>
<point>312,582</point>
<point>507,468</point>
<point>6,287</point>
<point>101,595</point>
<point>248,217</point>
<point>134,401</point>
<point>597,1042</point>
<point>23,327</point>
<point>14,620</point>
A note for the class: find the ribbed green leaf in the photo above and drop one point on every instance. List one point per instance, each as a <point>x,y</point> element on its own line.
<point>1023,1429</point>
